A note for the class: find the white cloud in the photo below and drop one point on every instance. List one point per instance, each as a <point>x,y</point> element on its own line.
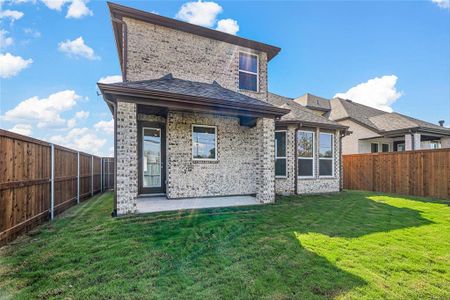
<point>45,112</point>
<point>5,41</point>
<point>110,79</point>
<point>442,3</point>
<point>55,4</point>
<point>78,116</point>
<point>33,32</point>
<point>199,13</point>
<point>77,48</point>
<point>81,139</point>
<point>11,65</point>
<point>14,15</point>
<point>228,25</point>
<point>105,126</point>
<point>82,114</point>
<point>24,129</point>
<point>78,9</point>
<point>379,92</point>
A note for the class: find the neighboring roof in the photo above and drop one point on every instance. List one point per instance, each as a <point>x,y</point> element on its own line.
<point>119,11</point>
<point>300,114</point>
<point>378,120</point>
<point>192,93</point>
<point>342,109</point>
<point>314,102</point>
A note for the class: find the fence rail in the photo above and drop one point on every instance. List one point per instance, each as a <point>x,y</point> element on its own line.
<point>417,173</point>
<point>39,180</point>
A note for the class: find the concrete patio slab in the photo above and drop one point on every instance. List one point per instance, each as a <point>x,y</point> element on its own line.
<point>161,203</point>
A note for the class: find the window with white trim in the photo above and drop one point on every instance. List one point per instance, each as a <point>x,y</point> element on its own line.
<point>305,154</point>
<point>280,153</point>
<point>248,72</point>
<point>204,142</point>
<point>326,154</point>
<point>374,147</point>
<point>385,147</point>
<point>435,144</point>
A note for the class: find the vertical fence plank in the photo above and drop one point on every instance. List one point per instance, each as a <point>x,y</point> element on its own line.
<point>39,180</point>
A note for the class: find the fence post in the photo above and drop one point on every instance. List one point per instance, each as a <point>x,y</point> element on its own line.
<point>78,177</point>
<point>92,175</point>
<point>101,174</point>
<point>52,184</point>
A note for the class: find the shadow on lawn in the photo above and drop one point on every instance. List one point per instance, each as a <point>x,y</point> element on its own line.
<point>260,245</point>
<point>238,252</point>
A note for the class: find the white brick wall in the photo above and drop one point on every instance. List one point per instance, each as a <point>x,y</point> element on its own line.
<point>127,180</point>
<point>310,185</point>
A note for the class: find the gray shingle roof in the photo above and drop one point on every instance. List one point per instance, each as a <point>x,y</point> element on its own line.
<point>314,102</point>
<point>169,84</point>
<point>374,118</point>
<point>298,112</point>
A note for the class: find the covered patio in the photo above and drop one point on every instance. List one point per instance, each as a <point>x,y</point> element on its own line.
<point>161,203</point>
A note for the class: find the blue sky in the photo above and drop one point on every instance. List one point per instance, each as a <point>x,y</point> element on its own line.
<point>388,54</point>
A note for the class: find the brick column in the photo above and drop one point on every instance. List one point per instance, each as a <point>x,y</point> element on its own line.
<point>127,158</point>
<point>417,138</point>
<point>408,142</point>
<point>265,181</point>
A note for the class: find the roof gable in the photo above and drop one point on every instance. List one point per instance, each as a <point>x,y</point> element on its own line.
<point>119,11</point>
<point>314,102</point>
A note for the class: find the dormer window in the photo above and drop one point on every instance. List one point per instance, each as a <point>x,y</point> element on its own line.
<point>248,72</point>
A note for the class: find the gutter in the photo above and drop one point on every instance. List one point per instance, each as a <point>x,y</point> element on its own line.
<point>314,124</point>
<point>341,161</point>
<point>186,100</point>
<point>124,45</point>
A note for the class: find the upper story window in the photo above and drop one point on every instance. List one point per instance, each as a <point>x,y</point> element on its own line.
<point>248,72</point>
<point>204,142</point>
<point>326,154</point>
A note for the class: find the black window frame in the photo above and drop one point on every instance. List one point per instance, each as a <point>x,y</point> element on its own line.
<point>312,158</point>
<point>281,158</point>
<point>333,154</point>
<point>216,154</point>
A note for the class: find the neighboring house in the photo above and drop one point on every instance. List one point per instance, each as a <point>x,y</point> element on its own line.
<point>374,130</point>
<point>193,118</point>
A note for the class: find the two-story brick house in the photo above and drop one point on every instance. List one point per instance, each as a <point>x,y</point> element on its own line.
<point>193,117</point>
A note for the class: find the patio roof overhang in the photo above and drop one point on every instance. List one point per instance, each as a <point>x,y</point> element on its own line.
<point>422,130</point>
<point>182,102</point>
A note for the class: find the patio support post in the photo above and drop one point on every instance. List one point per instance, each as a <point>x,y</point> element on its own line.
<point>78,177</point>
<point>52,184</point>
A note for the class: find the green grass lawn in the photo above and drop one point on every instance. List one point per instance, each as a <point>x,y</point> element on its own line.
<point>354,245</point>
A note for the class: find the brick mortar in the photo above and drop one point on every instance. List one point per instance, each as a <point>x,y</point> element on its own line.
<point>127,160</point>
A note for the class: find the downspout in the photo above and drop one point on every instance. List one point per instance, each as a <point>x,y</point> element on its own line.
<point>124,46</point>
<point>114,105</point>
<point>341,161</point>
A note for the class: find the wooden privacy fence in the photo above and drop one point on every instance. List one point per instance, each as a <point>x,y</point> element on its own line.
<point>39,180</point>
<point>417,173</point>
<point>108,173</point>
